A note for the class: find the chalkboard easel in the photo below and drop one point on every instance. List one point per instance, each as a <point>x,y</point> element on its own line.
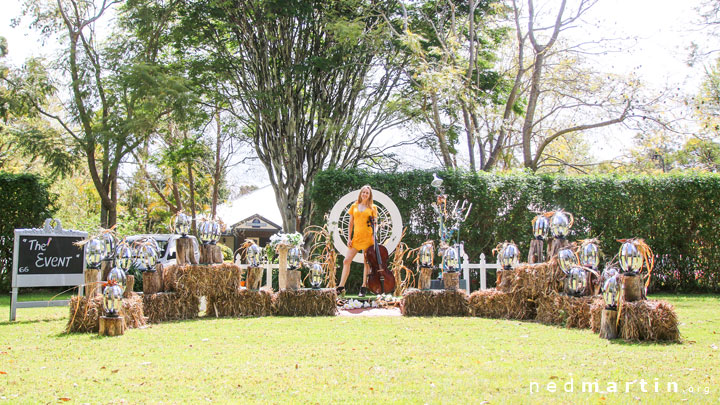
<point>46,257</point>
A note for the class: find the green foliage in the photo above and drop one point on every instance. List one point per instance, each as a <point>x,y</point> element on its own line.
<point>676,214</point>
<point>25,202</point>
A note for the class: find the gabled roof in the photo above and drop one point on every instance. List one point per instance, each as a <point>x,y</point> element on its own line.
<point>259,217</point>
<point>261,202</point>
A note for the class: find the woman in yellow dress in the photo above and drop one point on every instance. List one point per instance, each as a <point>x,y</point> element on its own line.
<point>360,234</point>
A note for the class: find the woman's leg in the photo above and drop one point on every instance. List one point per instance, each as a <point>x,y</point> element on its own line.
<point>346,265</point>
<point>366,271</point>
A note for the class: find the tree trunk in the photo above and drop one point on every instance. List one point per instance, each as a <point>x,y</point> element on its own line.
<point>217,172</point>
<point>470,132</point>
<point>440,132</point>
<point>191,184</point>
<point>529,122</point>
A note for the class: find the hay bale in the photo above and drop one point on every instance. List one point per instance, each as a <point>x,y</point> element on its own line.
<point>240,303</point>
<point>537,280</point>
<point>558,309</point>
<point>85,313</point>
<point>503,305</point>
<point>169,306</point>
<point>207,280</point>
<point>506,279</point>
<point>596,310</point>
<point>434,303</point>
<point>133,311</point>
<point>305,302</point>
<point>490,304</point>
<point>649,321</point>
<point>169,280</point>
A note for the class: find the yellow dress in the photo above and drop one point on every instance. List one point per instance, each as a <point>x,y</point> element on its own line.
<point>362,237</point>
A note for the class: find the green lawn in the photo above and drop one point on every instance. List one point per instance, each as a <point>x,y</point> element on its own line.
<point>353,360</point>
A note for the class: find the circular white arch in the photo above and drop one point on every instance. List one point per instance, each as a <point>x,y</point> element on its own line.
<point>387,211</point>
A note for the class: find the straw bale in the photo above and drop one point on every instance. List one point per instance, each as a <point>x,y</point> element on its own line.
<point>649,321</point>
<point>558,309</point>
<point>85,313</point>
<point>490,304</point>
<point>596,315</point>
<point>169,279</point>
<point>434,303</point>
<point>240,303</point>
<point>169,306</point>
<point>207,280</point>
<point>305,302</point>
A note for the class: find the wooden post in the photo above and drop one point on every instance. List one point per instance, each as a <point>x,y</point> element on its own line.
<point>92,283</point>
<point>185,251</point>
<point>217,255</point>
<point>282,252</point>
<point>425,276</point>
<point>152,281</point>
<point>633,288</point>
<point>293,279</point>
<point>608,324</point>
<point>129,285</point>
<point>111,326</point>
<point>555,246</point>
<point>451,280</point>
<point>535,255</point>
<point>254,278</point>
<point>105,267</point>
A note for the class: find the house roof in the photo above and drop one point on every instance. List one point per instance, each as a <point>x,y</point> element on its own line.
<point>260,202</point>
<point>256,217</point>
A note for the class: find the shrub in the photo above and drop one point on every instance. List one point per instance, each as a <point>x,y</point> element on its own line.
<point>25,202</point>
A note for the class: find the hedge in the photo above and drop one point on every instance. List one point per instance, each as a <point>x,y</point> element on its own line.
<point>677,215</point>
<point>25,202</point>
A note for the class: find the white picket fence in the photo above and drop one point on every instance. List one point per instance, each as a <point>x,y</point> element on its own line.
<point>269,267</point>
<point>482,267</point>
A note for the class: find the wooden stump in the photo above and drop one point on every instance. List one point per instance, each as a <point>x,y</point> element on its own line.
<point>153,280</point>
<point>105,267</point>
<point>555,246</point>
<point>451,280</point>
<point>632,287</point>
<point>425,276</point>
<point>293,279</point>
<point>92,283</point>
<point>210,254</point>
<point>593,284</point>
<point>253,281</point>
<point>129,285</point>
<point>535,255</point>
<point>185,252</point>
<point>282,252</point>
<point>112,326</point>
<point>608,324</point>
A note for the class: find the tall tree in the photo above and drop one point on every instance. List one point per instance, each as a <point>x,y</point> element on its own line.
<point>113,92</point>
<point>312,80</point>
<point>453,45</point>
<point>564,97</point>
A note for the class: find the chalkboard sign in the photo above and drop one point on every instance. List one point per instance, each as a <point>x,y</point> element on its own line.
<point>46,257</point>
<point>49,255</point>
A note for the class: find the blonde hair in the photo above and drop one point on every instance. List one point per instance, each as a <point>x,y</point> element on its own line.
<point>359,200</point>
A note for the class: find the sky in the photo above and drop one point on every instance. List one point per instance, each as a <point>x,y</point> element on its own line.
<point>662,31</point>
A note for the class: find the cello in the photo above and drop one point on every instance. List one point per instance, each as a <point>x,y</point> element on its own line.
<point>380,280</point>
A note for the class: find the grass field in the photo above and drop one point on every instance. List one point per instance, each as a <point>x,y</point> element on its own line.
<point>354,360</point>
